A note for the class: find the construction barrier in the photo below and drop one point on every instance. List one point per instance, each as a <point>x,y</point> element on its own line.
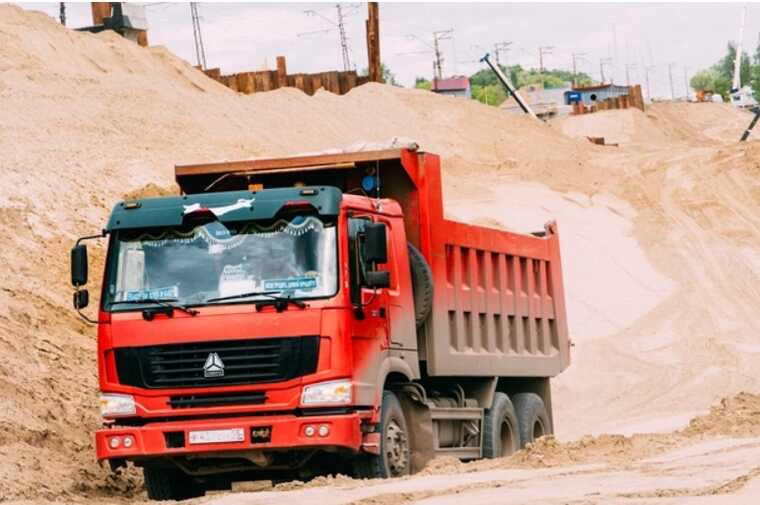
<point>266,80</point>
<point>634,98</point>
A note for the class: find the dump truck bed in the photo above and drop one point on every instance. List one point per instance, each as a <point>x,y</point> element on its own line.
<point>499,306</point>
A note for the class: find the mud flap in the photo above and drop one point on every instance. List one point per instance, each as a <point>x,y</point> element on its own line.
<point>420,425</point>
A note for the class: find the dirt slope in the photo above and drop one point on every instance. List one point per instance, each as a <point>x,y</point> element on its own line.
<point>660,239</point>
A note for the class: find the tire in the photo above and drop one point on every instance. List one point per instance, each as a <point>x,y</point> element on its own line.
<point>394,459</point>
<point>532,417</point>
<point>501,432</point>
<point>165,483</point>
<point>422,285</point>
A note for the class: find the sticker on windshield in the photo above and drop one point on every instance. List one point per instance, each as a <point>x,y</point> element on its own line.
<point>242,203</point>
<point>154,293</point>
<point>292,283</point>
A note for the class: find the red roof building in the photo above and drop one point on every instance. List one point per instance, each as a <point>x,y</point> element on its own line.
<point>458,86</point>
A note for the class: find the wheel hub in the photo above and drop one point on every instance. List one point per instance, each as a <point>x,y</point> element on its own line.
<point>396,448</point>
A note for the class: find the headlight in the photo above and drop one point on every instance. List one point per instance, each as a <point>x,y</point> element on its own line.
<point>327,392</point>
<point>117,405</point>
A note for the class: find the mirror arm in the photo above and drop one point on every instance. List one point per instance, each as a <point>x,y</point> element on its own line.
<point>85,318</point>
<point>102,234</point>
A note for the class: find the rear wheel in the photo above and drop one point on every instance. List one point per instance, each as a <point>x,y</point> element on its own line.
<point>532,417</point>
<point>394,459</point>
<point>501,436</point>
<point>166,483</point>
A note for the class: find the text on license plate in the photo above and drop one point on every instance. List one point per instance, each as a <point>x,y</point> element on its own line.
<point>216,436</point>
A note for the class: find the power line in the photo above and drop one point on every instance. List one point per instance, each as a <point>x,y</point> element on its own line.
<point>576,57</point>
<point>542,50</point>
<point>343,39</point>
<point>500,47</point>
<point>200,51</point>
<point>343,11</point>
<point>602,62</point>
<point>628,67</point>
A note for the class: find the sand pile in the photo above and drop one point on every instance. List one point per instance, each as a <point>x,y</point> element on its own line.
<point>662,123</point>
<point>660,245</point>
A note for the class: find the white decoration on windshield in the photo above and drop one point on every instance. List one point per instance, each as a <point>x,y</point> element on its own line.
<point>220,211</point>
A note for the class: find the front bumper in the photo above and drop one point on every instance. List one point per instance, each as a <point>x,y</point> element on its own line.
<point>287,432</point>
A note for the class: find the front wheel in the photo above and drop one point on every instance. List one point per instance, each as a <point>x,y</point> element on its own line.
<point>394,459</point>
<point>166,483</point>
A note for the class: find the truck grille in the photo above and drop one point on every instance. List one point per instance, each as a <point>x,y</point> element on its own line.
<point>223,400</point>
<point>217,363</point>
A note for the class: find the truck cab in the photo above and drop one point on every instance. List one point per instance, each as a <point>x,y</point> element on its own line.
<point>278,319</point>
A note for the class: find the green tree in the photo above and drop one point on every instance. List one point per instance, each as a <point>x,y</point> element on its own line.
<point>755,73</point>
<point>422,83</point>
<point>490,94</point>
<point>719,77</point>
<point>705,80</point>
<point>388,76</point>
<point>726,65</point>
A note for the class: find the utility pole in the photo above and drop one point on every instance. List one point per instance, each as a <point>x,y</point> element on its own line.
<point>373,42</point>
<point>437,37</point>
<point>646,71</point>
<point>602,62</point>
<point>498,48</point>
<point>200,51</point>
<point>576,56</point>
<point>628,67</point>
<point>343,39</point>
<point>62,13</point>
<point>670,76</point>
<point>686,81</point>
<point>736,83</point>
<point>542,50</point>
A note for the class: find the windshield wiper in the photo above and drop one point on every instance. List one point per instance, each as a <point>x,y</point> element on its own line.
<point>280,302</point>
<point>164,302</point>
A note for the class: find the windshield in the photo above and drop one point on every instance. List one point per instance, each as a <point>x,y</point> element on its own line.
<point>294,257</point>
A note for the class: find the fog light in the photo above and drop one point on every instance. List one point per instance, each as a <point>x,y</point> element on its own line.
<point>324,430</point>
<point>114,442</point>
<point>128,442</point>
<point>309,431</point>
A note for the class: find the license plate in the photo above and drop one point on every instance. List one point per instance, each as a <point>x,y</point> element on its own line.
<point>216,436</point>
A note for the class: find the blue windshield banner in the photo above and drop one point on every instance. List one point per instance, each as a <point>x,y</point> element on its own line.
<point>302,283</point>
<point>154,293</point>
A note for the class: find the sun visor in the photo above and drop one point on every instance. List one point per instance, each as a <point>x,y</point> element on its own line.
<point>227,207</point>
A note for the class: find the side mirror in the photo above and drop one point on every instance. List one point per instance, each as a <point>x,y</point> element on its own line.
<point>81,299</point>
<point>79,265</point>
<point>377,279</point>
<point>375,243</point>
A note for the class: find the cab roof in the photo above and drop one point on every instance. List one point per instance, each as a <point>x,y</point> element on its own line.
<point>228,207</point>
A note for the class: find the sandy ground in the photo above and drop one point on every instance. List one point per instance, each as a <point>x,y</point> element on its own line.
<point>712,472</point>
<point>660,240</point>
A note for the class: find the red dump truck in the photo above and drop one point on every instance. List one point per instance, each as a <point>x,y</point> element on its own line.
<point>290,317</point>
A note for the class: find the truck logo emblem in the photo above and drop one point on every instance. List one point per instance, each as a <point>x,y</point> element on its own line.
<point>214,366</point>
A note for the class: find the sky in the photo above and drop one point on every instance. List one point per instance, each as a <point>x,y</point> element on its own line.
<point>674,39</point>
